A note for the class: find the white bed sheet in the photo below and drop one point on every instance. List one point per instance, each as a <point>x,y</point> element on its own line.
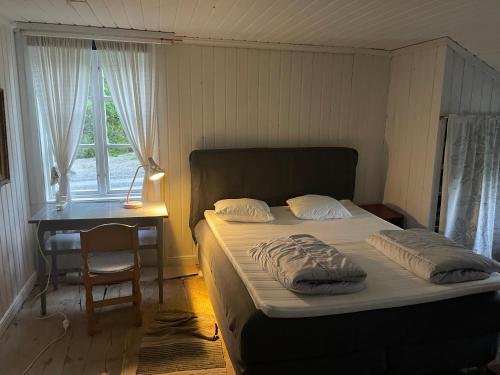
<point>388,284</point>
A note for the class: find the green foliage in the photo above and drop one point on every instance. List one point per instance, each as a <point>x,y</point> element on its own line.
<point>85,153</point>
<point>107,91</point>
<point>88,125</point>
<point>114,129</point>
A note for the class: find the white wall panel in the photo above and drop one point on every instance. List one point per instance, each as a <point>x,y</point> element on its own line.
<point>218,97</point>
<point>474,86</point>
<point>412,130</point>
<point>16,240</point>
<point>429,80</point>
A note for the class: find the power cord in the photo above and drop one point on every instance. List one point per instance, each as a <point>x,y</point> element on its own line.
<point>65,325</point>
<point>49,266</point>
<point>65,322</point>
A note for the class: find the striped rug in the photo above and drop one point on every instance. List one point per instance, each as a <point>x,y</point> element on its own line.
<point>180,341</point>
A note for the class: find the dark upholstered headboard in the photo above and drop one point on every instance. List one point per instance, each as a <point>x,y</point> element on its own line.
<point>269,174</point>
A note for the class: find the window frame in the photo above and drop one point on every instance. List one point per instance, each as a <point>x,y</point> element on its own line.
<point>101,145</point>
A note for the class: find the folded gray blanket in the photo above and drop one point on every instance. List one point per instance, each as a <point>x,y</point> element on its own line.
<point>432,256</point>
<point>304,264</point>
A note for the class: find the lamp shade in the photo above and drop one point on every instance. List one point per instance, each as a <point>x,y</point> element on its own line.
<point>154,170</point>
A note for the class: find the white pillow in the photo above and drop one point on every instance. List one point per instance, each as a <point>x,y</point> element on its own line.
<point>243,209</point>
<point>317,207</point>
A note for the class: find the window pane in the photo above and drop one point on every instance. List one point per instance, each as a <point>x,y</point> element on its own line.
<point>122,166</point>
<point>88,136</point>
<point>114,128</point>
<point>107,91</point>
<point>84,171</point>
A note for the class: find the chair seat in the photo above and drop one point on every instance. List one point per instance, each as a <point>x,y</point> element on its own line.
<point>111,262</point>
<point>71,241</point>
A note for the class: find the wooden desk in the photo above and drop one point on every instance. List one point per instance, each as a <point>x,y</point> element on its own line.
<point>85,215</point>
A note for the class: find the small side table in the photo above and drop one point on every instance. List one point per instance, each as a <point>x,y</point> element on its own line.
<point>386,213</point>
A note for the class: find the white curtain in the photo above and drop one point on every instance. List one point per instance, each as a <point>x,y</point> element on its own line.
<point>473,182</point>
<point>130,69</point>
<point>60,70</point>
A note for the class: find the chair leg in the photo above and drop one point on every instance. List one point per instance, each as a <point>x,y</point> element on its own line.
<point>89,307</point>
<point>136,292</point>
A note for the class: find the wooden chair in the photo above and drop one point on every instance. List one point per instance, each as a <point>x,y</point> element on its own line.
<point>110,256</point>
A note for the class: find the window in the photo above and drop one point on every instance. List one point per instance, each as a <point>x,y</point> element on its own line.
<point>105,162</point>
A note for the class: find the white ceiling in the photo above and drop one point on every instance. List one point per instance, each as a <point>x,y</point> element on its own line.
<point>384,24</point>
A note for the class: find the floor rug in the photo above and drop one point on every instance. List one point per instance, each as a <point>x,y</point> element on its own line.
<point>180,341</point>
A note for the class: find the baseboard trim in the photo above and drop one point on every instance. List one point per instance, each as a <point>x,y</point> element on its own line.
<point>16,305</point>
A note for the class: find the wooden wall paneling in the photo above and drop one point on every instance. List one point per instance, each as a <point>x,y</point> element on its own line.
<point>435,141</point>
<point>318,69</point>
<point>486,94</point>
<point>343,77</point>
<point>466,92</point>
<point>7,190</point>
<point>449,84</point>
<point>370,125</point>
<point>174,167</point>
<point>220,97</point>
<point>208,97</point>
<point>231,95</point>
<point>186,144</point>
<point>252,130</point>
<point>442,79</point>
<point>327,102</point>
<point>263,123</point>
<point>456,86</point>
<point>285,98</point>
<point>423,84</point>
<point>305,99</point>
<point>396,134</point>
<point>274,97</point>
<point>476,90</point>
<point>295,96</point>
<point>470,86</point>
<point>495,97</point>
<point>16,201</point>
<point>196,66</point>
<point>242,102</point>
<point>16,240</point>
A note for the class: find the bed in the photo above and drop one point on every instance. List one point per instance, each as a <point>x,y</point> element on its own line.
<point>442,333</point>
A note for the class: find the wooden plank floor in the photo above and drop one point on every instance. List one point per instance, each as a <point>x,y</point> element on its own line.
<point>78,353</point>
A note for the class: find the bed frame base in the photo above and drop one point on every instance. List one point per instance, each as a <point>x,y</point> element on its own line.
<point>431,358</point>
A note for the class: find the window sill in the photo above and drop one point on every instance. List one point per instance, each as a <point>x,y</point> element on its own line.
<point>76,198</point>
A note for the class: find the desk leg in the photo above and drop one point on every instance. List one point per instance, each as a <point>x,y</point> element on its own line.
<point>41,272</point>
<point>55,272</point>
<point>159,257</point>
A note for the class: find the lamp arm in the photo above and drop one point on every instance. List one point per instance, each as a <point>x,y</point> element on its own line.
<point>133,181</point>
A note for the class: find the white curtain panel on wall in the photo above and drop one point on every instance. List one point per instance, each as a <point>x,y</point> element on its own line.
<point>61,72</point>
<point>130,69</point>
<point>473,182</point>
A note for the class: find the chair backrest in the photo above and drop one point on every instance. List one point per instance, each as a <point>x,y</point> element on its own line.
<point>110,237</point>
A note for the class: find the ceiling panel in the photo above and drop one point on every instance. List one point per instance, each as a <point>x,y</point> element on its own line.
<point>383,24</point>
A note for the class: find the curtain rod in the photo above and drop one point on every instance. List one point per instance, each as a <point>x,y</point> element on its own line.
<point>94,33</point>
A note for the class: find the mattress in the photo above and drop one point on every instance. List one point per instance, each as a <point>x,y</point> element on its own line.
<point>388,284</point>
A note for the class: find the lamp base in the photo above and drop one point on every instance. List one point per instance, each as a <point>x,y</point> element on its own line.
<point>132,204</point>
